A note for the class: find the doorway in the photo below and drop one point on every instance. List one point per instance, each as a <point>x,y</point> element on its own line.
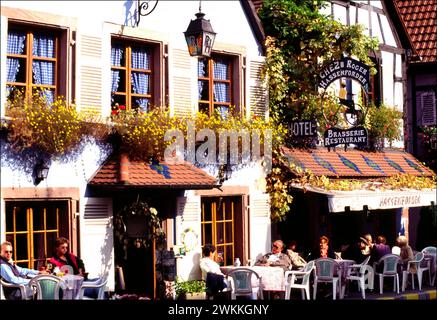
<point>223,226</point>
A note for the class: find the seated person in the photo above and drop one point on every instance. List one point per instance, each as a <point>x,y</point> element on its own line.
<point>62,257</point>
<point>369,243</point>
<point>355,252</point>
<point>275,258</point>
<point>208,263</point>
<point>14,274</point>
<point>297,261</point>
<point>378,249</point>
<point>406,253</point>
<point>324,250</point>
<point>211,272</point>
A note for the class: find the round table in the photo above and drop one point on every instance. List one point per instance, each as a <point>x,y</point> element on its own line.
<point>73,285</point>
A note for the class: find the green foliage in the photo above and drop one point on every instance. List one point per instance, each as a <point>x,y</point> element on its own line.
<point>383,123</point>
<point>278,186</point>
<point>152,221</point>
<point>189,286</point>
<point>300,42</point>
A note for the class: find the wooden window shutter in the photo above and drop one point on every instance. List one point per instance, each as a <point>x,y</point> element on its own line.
<point>188,214</point>
<point>258,89</point>
<point>260,224</point>
<point>89,71</point>
<point>97,241</point>
<point>182,75</point>
<point>429,116</point>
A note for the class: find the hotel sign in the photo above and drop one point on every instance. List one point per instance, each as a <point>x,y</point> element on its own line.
<point>303,128</point>
<point>345,68</point>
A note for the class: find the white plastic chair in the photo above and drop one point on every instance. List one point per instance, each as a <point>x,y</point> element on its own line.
<point>430,257</point>
<point>99,284</point>
<point>24,290</point>
<point>326,270</point>
<point>390,269</point>
<point>304,275</point>
<point>418,260</point>
<point>360,272</point>
<point>47,286</point>
<point>240,280</point>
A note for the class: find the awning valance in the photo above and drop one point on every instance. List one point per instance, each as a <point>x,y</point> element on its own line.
<point>378,199</point>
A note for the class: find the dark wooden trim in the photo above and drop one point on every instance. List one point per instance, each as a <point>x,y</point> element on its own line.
<point>255,22</point>
<point>399,26</point>
<point>347,3</point>
<point>26,194</point>
<point>387,48</point>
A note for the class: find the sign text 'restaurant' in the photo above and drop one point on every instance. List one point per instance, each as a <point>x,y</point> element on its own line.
<point>336,136</point>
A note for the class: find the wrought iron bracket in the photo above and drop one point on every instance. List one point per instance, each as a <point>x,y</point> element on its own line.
<point>144,8</point>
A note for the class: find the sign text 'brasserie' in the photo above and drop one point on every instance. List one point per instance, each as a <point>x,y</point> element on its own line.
<point>336,136</point>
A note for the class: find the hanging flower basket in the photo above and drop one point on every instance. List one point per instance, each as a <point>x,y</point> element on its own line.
<point>138,221</point>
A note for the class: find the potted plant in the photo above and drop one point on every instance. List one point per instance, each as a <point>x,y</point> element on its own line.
<point>190,289</point>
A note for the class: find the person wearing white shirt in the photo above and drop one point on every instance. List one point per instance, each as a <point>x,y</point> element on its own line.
<point>12,273</point>
<point>207,263</point>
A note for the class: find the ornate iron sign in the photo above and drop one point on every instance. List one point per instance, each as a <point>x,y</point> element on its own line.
<point>345,68</point>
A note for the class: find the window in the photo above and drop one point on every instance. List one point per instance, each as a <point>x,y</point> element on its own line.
<point>32,228</point>
<point>215,84</point>
<point>222,226</point>
<point>131,76</point>
<point>374,94</point>
<point>32,63</point>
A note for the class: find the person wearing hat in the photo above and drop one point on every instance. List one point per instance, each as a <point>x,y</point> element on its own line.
<point>355,251</point>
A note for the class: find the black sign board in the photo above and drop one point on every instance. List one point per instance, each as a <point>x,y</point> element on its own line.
<point>302,128</point>
<point>336,136</point>
<point>345,68</point>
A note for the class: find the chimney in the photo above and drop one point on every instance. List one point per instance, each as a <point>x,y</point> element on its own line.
<point>124,169</point>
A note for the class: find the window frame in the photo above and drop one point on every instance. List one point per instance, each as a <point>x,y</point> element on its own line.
<point>211,80</point>
<point>28,57</point>
<point>127,45</point>
<point>31,207</point>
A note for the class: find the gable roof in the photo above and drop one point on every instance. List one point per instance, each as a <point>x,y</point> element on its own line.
<point>120,171</point>
<point>419,19</point>
<point>356,164</point>
<point>252,14</point>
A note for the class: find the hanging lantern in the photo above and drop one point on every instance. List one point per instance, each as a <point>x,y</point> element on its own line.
<point>200,36</point>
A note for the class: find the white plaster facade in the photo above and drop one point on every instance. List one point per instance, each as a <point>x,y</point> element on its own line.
<point>88,27</point>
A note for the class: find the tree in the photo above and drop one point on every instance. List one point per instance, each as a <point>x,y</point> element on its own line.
<point>300,42</point>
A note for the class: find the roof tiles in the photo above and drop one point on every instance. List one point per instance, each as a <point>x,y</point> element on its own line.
<point>142,174</point>
<point>420,20</point>
<point>357,164</point>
